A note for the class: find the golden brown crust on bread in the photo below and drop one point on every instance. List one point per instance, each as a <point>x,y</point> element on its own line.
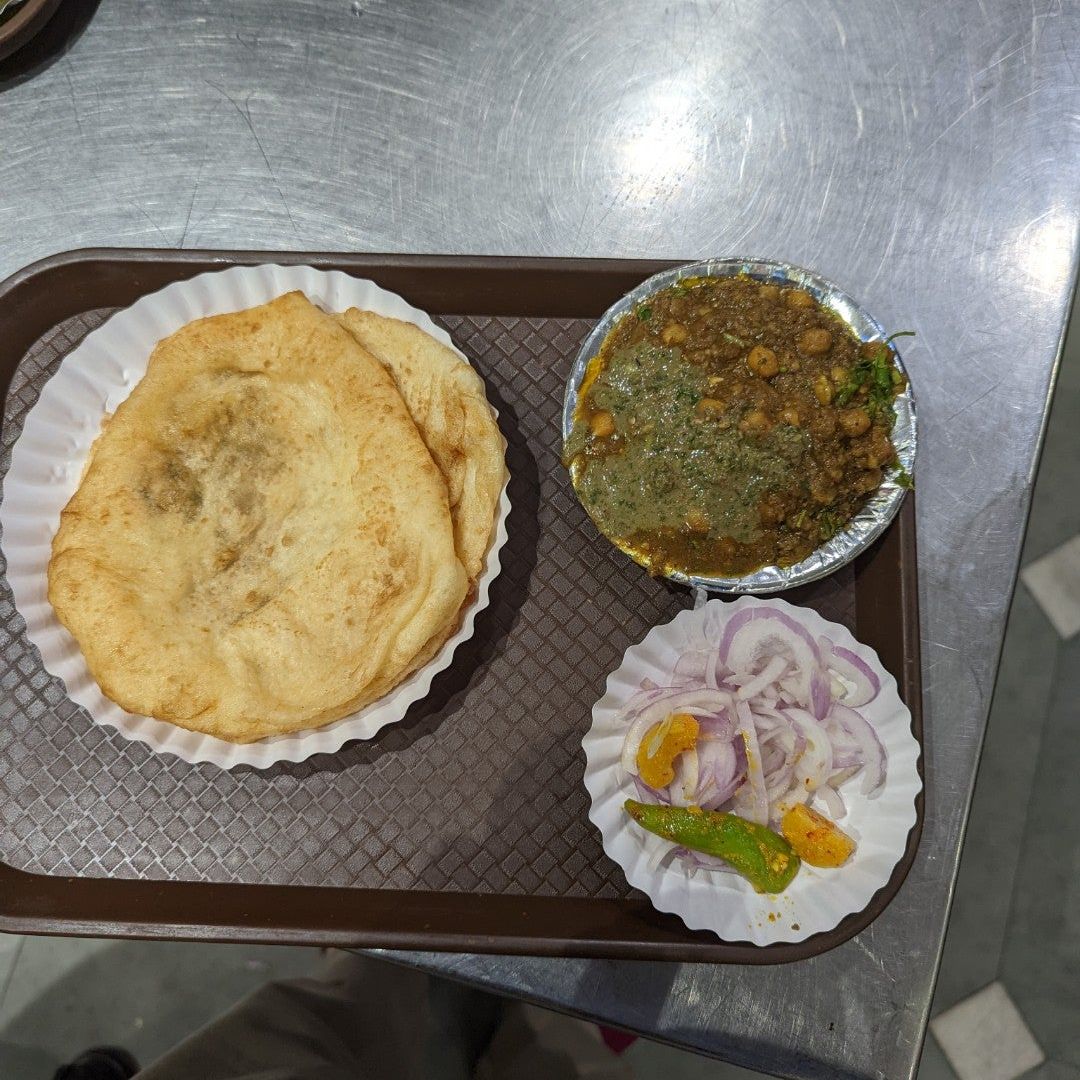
<point>261,542</point>
<point>447,400</point>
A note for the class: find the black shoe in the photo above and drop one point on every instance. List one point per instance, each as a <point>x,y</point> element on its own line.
<point>100,1063</point>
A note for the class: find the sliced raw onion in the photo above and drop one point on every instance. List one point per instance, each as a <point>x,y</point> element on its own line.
<point>778,722</point>
<point>772,758</point>
<point>714,677</point>
<point>862,681</point>
<point>691,668</point>
<point>769,674</point>
<point>683,789</point>
<point>873,752</point>
<point>778,783</point>
<point>815,765</point>
<point>662,705</point>
<point>820,694</point>
<point>644,697</point>
<point>751,800</point>
<point>648,794</point>
<point>755,635</point>
<point>722,769</point>
<point>833,800</point>
<point>841,776</point>
<point>719,725</point>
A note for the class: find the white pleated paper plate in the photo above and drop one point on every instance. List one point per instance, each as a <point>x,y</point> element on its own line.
<point>817,900</point>
<point>47,462</point>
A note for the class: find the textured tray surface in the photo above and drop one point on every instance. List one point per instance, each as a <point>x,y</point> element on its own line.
<point>479,789</point>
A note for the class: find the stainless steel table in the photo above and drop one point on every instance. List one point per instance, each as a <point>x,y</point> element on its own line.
<point>924,156</point>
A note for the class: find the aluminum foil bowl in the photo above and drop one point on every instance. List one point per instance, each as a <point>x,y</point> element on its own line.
<point>874,518</point>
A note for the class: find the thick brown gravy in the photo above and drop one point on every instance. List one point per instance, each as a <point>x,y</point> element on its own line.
<point>728,424</point>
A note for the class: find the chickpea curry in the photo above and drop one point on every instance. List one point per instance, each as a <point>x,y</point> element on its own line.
<point>728,424</point>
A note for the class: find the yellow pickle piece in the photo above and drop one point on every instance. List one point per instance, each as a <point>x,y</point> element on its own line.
<point>815,838</point>
<point>662,744</point>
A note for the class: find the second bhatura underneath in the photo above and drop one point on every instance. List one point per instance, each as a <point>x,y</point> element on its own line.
<point>262,541</point>
<point>727,424</point>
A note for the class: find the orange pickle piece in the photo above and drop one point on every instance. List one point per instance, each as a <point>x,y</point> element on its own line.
<point>815,838</point>
<point>662,744</point>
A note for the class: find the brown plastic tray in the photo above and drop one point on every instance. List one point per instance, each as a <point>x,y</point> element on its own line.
<point>461,828</point>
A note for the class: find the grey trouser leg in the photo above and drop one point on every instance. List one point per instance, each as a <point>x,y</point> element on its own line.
<point>363,1019</point>
<point>366,1019</point>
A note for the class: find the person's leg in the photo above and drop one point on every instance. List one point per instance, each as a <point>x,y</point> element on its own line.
<point>366,1019</point>
<point>536,1044</point>
<point>362,1019</point>
<point>463,1022</point>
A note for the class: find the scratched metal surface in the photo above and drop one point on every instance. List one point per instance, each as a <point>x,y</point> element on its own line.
<point>922,155</point>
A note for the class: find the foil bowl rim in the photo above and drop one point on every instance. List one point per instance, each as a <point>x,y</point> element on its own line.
<point>872,520</point>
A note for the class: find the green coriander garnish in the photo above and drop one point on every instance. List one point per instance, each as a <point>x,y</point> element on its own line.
<point>881,377</point>
<point>829,523</point>
<point>903,479</point>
